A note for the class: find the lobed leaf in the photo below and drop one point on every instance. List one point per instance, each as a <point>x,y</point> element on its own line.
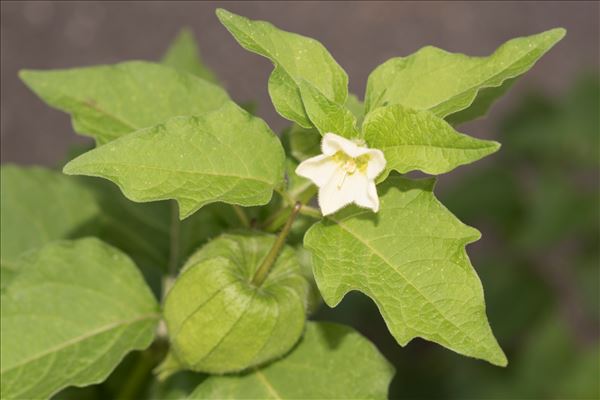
<point>295,58</point>
<point>448,83</point>
<point>327,115</point>
<point>305,143</point>
<point>225,155</point>
<point>331,362</point>
<point>183,55</point>
<point>110,101</point>
<point>75,309</point>
<point>410,259</point>
<point>418,140</point>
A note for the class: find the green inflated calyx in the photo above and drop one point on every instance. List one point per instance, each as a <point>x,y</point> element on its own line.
<point>221,319</point>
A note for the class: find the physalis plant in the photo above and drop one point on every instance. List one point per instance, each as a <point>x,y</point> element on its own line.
<point>242,231</point>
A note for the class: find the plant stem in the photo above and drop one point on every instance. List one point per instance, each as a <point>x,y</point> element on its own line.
<point>174,240</point>
<point>261,273</point>
<point>311,212</point>
<point>272,223</point>
<point>241,214</point>
<point>174,236</point>
<point>135,381</point>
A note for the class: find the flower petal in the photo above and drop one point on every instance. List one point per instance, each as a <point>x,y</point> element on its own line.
<point>376,163</point>
<point>333,143</point>
<point>337,193</point>
<point>367,197</point>
<point>318,169</point>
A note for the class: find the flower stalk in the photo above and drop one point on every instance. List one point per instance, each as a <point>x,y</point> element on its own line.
<point>263,270</point>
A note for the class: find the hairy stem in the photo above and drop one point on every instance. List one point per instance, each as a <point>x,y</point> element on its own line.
<point>261,273</point>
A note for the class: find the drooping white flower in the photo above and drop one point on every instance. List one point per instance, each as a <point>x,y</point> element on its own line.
<point>345,173</point>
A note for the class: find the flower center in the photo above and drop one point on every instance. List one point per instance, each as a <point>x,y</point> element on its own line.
<point>350,164</point>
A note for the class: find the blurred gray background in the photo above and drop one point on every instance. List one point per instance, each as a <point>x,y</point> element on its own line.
<point>360,35</point>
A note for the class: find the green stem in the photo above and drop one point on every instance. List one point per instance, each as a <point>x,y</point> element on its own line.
<point>241,214</point>
<point>174,236</point>
<point>311,212</point>
<point>261,273</point>
<point>137,378</point>
<point>272,223</point>
<point>303,195</point>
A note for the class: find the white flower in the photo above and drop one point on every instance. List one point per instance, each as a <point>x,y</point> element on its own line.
<point>345,173</point>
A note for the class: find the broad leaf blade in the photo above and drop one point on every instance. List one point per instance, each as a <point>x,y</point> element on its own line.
<point>39,205</point>
<point>183,55</point>
<point>356,107</point>
<point>70,316</point>
<point>304,143</point>
<point>331,362</point>
<point>295,58</point>
<point>225,155</point>
<point>107,102</point>
<point>418,140</point>
<point>326,115</point>
<point>410,259</point>
<point>446,83</point>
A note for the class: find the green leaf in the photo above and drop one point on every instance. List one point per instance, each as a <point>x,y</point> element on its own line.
<point>305,259</point>
<point>295,58</point>
<point>418,140</point>
<point>218,321</point>
<point>40,205</point>
<point>356,107</point>
<point>304,143</point>
<point>410,259</point>
<point>70,316</point>
<point>107,102</point>
<point>331,362</point>
<point>225,155</point>
<point>183,55</point>
<point>299,188</point>
<point>446,83</point>
<point>326,115</point>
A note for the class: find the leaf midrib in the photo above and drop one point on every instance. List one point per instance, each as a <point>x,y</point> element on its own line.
<point>80,338</point>
<point>86,104</point>
<point>477,87</point>
<point>265,382</point>
<point>386,261</point>
<point>482,148</point>
<point>142,166</point>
